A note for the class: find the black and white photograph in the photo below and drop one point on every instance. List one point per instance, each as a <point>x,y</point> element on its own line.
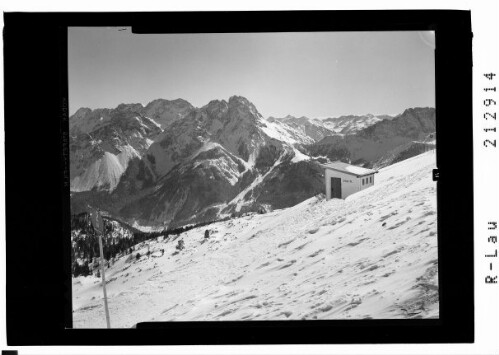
<point>252,176</point>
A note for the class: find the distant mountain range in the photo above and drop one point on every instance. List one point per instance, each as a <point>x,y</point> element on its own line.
<point>170,164</point>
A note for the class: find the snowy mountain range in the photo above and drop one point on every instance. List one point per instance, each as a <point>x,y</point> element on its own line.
<point>315,129</point>
<point>352,124</point>
<point>169,163</point>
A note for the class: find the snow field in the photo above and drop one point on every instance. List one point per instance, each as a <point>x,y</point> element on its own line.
<point>373,255</point>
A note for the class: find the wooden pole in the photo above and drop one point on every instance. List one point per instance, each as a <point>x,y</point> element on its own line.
<point>98,223</point>
<point>103,273</point>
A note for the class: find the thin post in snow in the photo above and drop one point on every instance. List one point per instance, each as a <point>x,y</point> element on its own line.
<point>103,273</point>
<point>98,224</point>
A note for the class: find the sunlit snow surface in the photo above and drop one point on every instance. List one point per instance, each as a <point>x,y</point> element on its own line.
<point>358,170</point>
<point>373,255</point>
<point>285,133</point>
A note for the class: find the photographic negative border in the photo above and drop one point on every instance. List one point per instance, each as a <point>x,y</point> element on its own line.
<point>39,310</point>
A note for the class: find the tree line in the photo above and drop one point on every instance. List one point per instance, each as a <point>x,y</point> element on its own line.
<point>119,239</point>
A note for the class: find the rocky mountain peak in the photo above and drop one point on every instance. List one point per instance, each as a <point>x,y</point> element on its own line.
<point>165,112</point>
<point>418,111</point>
<point>168,103</point>
<point>239,100</point>
<point>242,108</point>
<point>80,113</point>
<point>413,123</point>
<point>216,106</point>
<point>129,108</point>
<point>86,120</point>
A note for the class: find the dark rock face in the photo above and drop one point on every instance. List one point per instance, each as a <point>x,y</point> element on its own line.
<point>413,123</point>
<point>268,156</point>
<point>85,120</point>
<point>413,150</point>
<point>290,184</point>
<point>406,151</point>
<point>166,112</point>
<point>177,200</point>
<point>333,147</point>
<point>186,192</point>
<point>243,152</point>
<point>138,177</point>
<point>285,186</point>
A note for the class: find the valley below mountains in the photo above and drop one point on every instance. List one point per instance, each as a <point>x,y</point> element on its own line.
<point>168,163</point>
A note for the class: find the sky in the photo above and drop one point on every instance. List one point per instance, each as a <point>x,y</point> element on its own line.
<point>314,74</point>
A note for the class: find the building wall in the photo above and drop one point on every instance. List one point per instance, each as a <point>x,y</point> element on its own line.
<point>349,183</point>
<point>369,184</point>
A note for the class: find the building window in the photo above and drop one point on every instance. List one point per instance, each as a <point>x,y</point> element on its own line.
<point>371,179</point>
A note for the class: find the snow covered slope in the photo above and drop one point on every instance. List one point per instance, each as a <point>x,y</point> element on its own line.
<point>373,255</point>
<point>302,130</point>
<point>285,133</point>
<point>106,171</point>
